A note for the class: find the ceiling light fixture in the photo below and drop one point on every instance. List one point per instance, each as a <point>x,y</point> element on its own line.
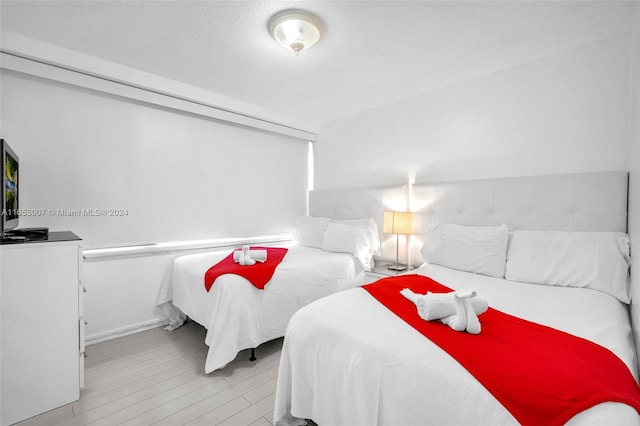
<point>295,29</point>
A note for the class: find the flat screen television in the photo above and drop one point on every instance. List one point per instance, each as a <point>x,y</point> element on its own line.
<point>10,187</point>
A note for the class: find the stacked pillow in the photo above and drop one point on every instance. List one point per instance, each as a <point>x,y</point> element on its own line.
<point>596,260</point>
<point>310,230</point>
<point>358,237</point>
<point>477,249</point>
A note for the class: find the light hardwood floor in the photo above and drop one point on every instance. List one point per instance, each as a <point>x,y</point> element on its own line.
<point>157,377</point>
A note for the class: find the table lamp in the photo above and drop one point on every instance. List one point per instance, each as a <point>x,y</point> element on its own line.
<point>398,223</point>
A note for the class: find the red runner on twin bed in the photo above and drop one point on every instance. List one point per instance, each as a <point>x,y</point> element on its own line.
<point>541,375</point>
<point>258,274</point>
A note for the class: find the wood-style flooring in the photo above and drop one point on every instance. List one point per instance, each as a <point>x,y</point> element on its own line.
<point>157,377</point>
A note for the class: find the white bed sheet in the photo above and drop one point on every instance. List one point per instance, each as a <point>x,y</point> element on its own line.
<point>348,360</point>
<point>239,316</point>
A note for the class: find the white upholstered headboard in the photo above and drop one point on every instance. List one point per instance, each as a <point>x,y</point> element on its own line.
<point>578,202</point>
<point>571,202</point>
<point>355,203</point>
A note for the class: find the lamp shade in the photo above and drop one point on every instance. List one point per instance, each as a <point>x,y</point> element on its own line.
<point>398,223</point>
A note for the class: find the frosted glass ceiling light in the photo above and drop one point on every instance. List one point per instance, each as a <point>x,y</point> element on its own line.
<point>295,29</point>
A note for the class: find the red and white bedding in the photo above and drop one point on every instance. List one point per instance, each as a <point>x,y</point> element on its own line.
<point>259,273</point>
<point>363,365</point>
<point>236,314</point>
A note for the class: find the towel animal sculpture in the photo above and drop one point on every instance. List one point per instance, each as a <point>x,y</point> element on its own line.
<point>457,309</point>
<point>248,257</point>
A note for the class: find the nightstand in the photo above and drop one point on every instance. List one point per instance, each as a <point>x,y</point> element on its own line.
<point>381,270</point>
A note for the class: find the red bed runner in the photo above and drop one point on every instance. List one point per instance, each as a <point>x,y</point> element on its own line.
<point>258,274</point>
<point>541,375</point>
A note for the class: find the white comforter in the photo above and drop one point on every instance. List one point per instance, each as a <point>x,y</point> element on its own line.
<point>236,314</point>
<point>348,360</point>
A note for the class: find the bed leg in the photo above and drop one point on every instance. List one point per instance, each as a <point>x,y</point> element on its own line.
<point>253,355</point>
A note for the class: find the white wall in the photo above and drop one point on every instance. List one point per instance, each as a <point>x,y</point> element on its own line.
<point>121,294</point>
<point>576,111</point>
<point>633,156</point>
<point>560,114</point>
<point>177,175</point>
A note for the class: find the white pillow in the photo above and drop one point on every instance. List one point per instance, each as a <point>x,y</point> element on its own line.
<point>477,249</point>
<point>372,226</point>
<point>310,230</point>
<point>352,239</point>
<point>597,260</point>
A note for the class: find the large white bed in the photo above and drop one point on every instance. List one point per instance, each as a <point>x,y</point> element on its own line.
<point>349,360</point>
<point>237,315</point>
<point>363,365</point>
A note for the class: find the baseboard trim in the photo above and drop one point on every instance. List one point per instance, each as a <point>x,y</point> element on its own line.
<point>124,331</point>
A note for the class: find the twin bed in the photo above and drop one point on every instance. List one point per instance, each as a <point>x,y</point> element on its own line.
<point>561,261</point>
<point>239,316</point>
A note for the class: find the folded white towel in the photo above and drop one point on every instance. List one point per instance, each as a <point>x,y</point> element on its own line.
<point>257,255</point>
<point>464,319</point>
<point>473,323</point>
<point>244,258</point>
<point>457,309</point>
<point>421,303</point>
<point>458,321</point>
<point>410,295</point>
<point>435,306</point>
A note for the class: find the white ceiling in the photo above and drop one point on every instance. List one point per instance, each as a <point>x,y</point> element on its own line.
<point>373,52</point>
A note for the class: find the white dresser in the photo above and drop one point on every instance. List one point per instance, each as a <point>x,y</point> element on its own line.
<point>41,327</point>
